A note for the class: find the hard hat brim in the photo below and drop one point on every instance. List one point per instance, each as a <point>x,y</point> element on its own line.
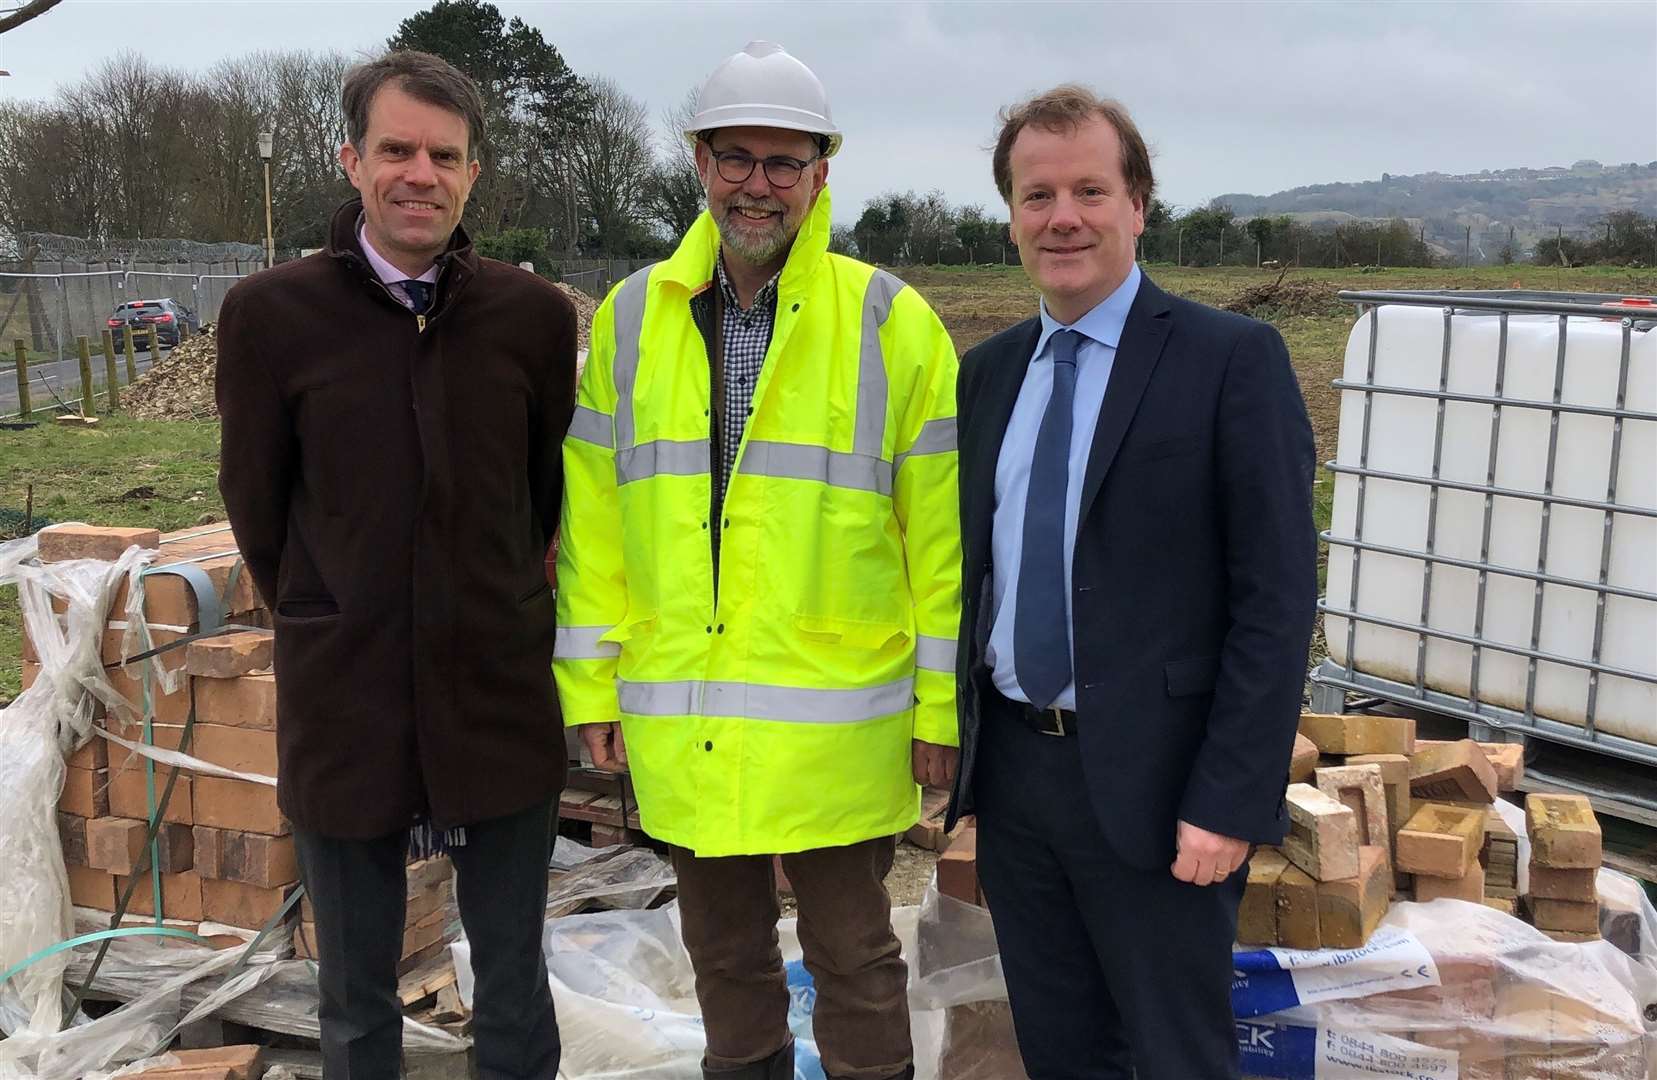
<point>765,116</point>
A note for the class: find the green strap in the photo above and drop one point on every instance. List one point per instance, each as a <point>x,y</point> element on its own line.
<point>99,935</point>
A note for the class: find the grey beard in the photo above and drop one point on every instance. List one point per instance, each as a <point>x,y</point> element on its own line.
<point>757,254</point>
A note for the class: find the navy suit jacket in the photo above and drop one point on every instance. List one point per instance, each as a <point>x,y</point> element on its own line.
<point>1194,573</point>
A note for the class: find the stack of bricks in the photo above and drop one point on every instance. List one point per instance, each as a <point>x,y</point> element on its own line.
<point>1565,854</point>
<point>1329,884</point>
<point>428,916</point>
<point>225,852</point>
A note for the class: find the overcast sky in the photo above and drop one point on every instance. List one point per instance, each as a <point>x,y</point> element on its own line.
<point>1250,97</point>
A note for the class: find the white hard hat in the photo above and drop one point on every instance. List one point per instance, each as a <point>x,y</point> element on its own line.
<point>763,86</point>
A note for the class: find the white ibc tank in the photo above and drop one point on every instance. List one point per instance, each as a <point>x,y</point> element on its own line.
<point>1395,512</point>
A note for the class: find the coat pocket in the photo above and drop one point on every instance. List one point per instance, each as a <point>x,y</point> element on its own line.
<point>853,632</point>
<point>1190,677</point>
<point>306,608</point>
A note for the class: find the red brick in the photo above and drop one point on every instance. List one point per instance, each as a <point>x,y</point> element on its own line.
<point>236,904</point>
<point>240,805</point>
<point>181,896</point>
<point>85,793</point>
<point>1303,760</point>
<point>245,750</point>
<point>116,844</point>
<point>958,868</point>
<point>62,542</point>
<point>170,600</point>
<point>248,702</point>
<point>173,708</point>
<point>129,794</point>
<point>94,754</point>
<point>91,888</point>
<point>250,858</point>
<point>230,655</point>
<point>1350,910</point>
<point>72,835</point>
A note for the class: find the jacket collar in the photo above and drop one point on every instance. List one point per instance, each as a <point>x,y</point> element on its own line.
<point>691,264</point>
<point>457,264</point>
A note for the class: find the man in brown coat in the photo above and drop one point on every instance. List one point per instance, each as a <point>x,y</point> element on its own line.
<point>393,412</point>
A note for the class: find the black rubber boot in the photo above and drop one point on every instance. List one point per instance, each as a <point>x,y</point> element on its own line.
<point>779,1066</point>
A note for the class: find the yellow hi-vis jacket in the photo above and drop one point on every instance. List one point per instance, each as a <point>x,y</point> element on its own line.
<point>778,715</point>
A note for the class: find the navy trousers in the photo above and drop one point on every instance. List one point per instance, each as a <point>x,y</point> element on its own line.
<point>1113,971</point>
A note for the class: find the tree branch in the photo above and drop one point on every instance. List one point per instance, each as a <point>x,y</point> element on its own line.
<point>31,10</point>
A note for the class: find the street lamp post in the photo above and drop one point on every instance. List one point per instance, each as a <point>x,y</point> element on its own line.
<point>266,143</point>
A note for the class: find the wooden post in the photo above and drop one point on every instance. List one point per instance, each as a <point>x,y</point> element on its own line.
<point>112,377</point>
<point>155,345</point>
<point>132,361</point>
<point>22,349</point>
<point>89,406</point>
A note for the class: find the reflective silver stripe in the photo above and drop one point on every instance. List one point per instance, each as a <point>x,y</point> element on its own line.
<point>870,436</point>
<point>590,425</point>
<point>628,320</point>
<point>936,437</point>
<point>794,461</point>
<point>581,643</point>
<point>935,653</point>
<point>750,701</point>
<point>659,457</point>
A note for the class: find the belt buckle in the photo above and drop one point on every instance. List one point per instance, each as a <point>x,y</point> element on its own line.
<point>1058,721</point>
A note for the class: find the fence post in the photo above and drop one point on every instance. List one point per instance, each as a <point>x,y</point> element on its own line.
<point>155,345</point>
<point>22,350</point>
<point>132,361</point>
<point>89,406</point>
<point>112,377</point>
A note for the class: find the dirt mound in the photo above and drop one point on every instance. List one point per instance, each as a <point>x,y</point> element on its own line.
<point>1281,297</point>
<point>180,387</point>
<point>585,306</point>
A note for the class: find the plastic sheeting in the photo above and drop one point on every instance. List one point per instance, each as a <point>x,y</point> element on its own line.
<point>1507,1003</point>
<point>46,722</point>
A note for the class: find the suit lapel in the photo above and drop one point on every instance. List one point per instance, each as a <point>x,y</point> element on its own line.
<point>998,392</point>
<point>1143,336</point>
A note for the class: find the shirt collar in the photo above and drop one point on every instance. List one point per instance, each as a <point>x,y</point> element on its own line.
<point>761,299</point>
<point>387,273</point>
<point>1102,324</point>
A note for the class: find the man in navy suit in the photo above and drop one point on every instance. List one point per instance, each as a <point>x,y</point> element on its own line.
<point>1138,593</point>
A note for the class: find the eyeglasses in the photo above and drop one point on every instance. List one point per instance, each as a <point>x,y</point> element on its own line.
<point>736,166</point>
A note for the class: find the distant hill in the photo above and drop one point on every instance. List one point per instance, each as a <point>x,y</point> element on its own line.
<point>1534,203</point>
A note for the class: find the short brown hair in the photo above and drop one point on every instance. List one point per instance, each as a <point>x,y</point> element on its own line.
<point>421,76</point>
<point>1064,109</point>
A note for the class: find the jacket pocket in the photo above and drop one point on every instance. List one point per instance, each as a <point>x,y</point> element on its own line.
<point>1157,449</point>
<point>635,625</point>
<point>1190,677</point>
<point>299,609</point>
<point>853,632</point>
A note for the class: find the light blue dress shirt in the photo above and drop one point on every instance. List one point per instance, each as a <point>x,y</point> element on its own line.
<point>1101,331</point>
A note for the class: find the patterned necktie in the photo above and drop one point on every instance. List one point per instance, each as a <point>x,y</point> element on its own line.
<point>419,295</point>
<point>1041,633</point>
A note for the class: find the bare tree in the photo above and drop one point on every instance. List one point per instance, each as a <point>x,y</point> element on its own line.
<point>33,9</point>
<point>673,195</point>
<point>610,160</point>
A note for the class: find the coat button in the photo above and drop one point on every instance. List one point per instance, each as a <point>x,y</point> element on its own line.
<point>796,307</point>
<point>704,524</point>
<point>708,745</point>
<point>721,628</point>
<point>710,629</point>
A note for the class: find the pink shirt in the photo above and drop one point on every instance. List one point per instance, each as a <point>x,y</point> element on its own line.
<point>389,275</point>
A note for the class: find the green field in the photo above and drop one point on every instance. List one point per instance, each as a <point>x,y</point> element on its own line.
<point>158,474</point>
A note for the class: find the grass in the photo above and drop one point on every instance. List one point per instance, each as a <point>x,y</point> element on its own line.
<point>123,472</point>
<point>127,472</point>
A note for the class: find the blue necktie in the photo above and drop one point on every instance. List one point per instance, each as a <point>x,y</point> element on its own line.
<point>419,295</point>
<point>1041,621</point>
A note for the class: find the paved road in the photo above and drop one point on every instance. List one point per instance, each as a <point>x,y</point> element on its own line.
<point>64,376</point>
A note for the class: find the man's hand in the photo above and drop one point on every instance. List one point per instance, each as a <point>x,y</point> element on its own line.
<point>934,764</point>
<point>1205,858</point>
<point>604,743</point>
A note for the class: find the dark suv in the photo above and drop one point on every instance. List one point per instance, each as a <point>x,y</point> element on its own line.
<point>165,315</point>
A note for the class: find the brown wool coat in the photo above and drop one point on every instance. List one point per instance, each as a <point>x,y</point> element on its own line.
<point>393,492</point>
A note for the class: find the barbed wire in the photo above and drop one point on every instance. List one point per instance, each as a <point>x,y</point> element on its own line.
<point>52,246</point>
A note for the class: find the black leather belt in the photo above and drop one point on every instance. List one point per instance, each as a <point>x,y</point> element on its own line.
<point>1049,721</point>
